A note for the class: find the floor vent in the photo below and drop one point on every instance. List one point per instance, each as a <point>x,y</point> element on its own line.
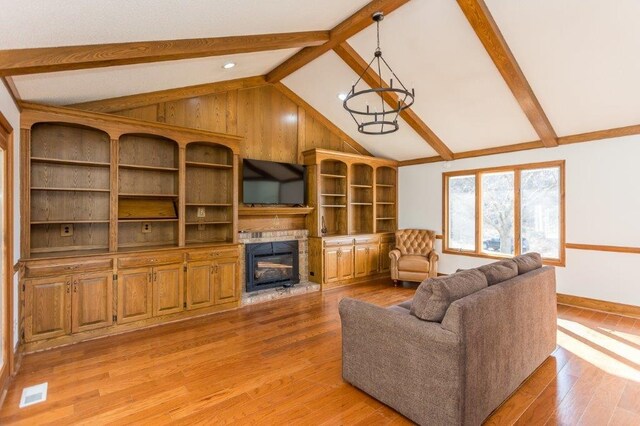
<point>33,395</point>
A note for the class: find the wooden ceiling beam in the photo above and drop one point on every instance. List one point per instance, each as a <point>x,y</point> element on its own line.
<point>150,98</point>
<point>371,77</point>
<point>13,91</point>
<point>321,118</point>
<point>342,32</point>
<point>50,59</point>
<point>489,34</point>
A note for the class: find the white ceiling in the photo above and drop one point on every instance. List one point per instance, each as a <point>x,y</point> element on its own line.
<point>100,83</point>
<point>580,57</point>
<point>320,82</point>
<point>43,23</point>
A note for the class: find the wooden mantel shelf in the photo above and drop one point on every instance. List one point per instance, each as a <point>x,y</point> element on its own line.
<point>273,211</point>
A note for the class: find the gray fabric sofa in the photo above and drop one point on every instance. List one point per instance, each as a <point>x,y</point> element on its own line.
<point>461,369</point>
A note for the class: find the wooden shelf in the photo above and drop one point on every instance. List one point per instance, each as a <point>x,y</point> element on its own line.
<point>361,204</point>
<point>69,162</point>
<point>385,202</point>
<point>385,185</point>
<point>356,185</point>
<point>41,188</point>
<point>168,219</point>
<point>60,222</point>
<point>273,211</point>
<point>151,168</point>
<point>148,195</point>
<point>385,218</point>
<point>330,176</point>
<point>334,206</point>
<point>207,165</point>
<point>214,222</point>
<point>209,205</point>
<point>334,195</point>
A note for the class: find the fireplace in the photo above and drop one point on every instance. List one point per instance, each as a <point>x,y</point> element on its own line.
<point>273,264</point>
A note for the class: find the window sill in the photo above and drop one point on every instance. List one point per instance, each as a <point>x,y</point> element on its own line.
<point>548,262</point>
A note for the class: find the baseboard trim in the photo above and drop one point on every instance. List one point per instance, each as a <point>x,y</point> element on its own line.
<point>5,374</point>
<point>599,305</point>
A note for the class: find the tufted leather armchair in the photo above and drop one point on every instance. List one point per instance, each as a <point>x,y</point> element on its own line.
<point>414,259</point>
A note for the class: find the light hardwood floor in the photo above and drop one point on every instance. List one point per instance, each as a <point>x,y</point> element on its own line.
<point>279,363</point>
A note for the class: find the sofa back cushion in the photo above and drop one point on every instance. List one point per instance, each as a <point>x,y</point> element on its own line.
<point>528,262</point>
<point>498,272</point>
<point>433,296</point>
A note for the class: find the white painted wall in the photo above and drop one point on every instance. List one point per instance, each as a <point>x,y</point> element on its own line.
<point>11,113</point>
<point>602,207</point>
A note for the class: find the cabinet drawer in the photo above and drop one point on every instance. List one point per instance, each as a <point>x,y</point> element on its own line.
<point>336,242</point>
<point>70,267</point>
<point>366,239</point>
<point>141,261</point>
<point>212,254</point>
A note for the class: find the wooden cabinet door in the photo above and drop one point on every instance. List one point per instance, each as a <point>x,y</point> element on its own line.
<point>331,265</point>
<point>92,301</point>
<point>168,289</point>
<point>226,280</point>
<point>134,295</point>
<point>361,261</point>
<point>373,255</point>
<point>47,308</point>
<point>345,263</point>
<point>385,261</point>
<point>200,291</point>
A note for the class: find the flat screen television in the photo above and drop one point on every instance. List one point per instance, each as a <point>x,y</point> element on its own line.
<point>268,182</point>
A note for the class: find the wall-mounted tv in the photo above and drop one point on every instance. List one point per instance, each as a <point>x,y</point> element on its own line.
<point>268,182</point>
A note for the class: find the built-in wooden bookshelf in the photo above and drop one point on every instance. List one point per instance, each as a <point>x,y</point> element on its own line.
<point>352,194</point>
<point>103,184</point>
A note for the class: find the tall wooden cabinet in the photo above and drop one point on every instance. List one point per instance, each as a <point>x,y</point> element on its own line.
<point>116,214</point>
<point>351,229</point>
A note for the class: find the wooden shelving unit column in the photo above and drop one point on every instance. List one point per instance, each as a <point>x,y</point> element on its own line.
<point>69,189</point>
<point>147,191</point>
<point>333,196</point>
<point>361,199</point>
<point>386,199</point>
<point>210,192</point>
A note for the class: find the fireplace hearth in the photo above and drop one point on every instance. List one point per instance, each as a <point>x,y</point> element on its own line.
<point>272,264</point>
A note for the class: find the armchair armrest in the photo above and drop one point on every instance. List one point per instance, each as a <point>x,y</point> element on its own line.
<point>433,263</point>
<point>409,364</point>
<point>394,255</point>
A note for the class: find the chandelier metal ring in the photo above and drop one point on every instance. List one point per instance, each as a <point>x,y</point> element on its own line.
<point>362,128</point>
<point>403,104</point>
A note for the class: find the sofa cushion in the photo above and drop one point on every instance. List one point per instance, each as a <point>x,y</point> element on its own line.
<point>498,272</point>
<point>528,262</point>
<point>433,296</point>
<point>413,263</point>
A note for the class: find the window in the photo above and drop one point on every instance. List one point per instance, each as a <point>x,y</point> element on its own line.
<point>506,211</point>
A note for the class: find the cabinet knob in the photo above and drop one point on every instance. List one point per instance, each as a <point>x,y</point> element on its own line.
<point>75,286</point>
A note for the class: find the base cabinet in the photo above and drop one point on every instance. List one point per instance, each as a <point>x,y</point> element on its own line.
<point>58,306</point>
<point>212,282</point>
<point>134,295</point>
<point>366,260</point>
<point>168,289</point>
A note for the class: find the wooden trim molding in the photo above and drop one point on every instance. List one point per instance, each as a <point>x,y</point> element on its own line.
<point>143,99</point>
<point>489,34</point>
<point>600,134</point>
<point>13,91</point>
<point>596,247</point>
<point>359,65</point>
<point>599,305</point>
<point>321,118</point>
<point>50,59</point>
<point>343,31</point>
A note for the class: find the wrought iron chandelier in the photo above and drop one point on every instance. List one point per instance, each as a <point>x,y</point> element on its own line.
<point>370,120</point>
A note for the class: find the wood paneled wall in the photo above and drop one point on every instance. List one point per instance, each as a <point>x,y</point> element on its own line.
<point>274,127</point>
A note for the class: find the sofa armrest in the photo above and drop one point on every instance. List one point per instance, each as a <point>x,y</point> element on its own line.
<point>409,364</point>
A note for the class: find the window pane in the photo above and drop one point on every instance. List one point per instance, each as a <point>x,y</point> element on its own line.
<point>497,213</point>
<point>540,199</point>
<point>462,212</point>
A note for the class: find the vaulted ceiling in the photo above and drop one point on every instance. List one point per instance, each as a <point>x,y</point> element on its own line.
<point>576,70</point>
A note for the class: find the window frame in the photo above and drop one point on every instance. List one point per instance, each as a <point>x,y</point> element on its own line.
<point>517,171</point>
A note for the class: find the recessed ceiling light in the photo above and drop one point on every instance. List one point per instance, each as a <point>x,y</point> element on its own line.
<point>229,65</point>
<point>342,96</point>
